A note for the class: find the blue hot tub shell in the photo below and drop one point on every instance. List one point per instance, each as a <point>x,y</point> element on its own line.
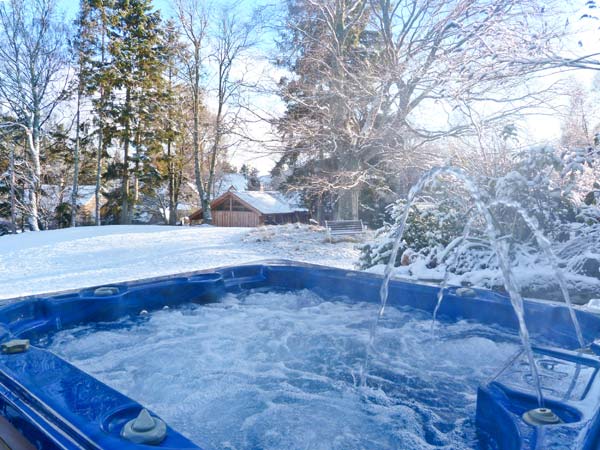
<point>56,405</point>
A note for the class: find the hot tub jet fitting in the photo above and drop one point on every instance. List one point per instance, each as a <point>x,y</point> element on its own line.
<point>541,416</point>
<point>106,291</point>
<point>15,346</point>
<point>145,429</point>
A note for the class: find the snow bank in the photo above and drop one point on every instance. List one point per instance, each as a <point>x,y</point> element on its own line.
<point>33,263</point>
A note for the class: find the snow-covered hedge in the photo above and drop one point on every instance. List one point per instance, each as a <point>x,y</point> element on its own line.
<point>557,189</point>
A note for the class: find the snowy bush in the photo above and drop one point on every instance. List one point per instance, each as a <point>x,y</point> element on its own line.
<point>557,190</point>
<point>542,181</point>
<point>432,224</point>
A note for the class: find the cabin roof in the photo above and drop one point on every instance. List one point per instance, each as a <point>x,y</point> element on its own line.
<point>267,202</point>
<point>262,202</point>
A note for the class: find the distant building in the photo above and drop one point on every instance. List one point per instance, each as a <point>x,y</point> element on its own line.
<point>53,196</point>
<point>252,208</point>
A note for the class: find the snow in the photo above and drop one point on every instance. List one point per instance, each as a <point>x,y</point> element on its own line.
<point>50,261</point>
<point>593,305</point>
<point>537,278</point>
<point>268,202</point>
<point>228,180</point>
<point>266,181</point>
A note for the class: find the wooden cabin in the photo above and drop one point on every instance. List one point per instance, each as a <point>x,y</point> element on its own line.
<point>252,209</point>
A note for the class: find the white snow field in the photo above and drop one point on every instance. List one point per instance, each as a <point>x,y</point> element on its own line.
<point>50,261</point>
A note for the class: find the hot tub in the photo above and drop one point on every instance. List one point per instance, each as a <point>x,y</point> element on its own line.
<point>105,331</point>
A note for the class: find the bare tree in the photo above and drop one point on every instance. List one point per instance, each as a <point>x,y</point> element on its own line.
<point>232,38</point>
<point>376,81</point>
<point>193,19</point>
<point>32,77</point>
<point>581,120</point>
<point>218,43</point>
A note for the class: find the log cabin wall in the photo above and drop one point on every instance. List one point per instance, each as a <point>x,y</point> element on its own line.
<point>235,219</point>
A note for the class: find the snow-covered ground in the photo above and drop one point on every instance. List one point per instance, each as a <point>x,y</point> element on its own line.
<point>48,261</point>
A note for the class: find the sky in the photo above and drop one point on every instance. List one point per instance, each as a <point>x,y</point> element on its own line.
<point>535,129</point>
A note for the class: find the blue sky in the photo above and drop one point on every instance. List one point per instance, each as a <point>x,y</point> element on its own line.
<point>70,7</point>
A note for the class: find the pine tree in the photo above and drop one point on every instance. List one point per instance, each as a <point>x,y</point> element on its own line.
<point>136,49</point>
<point>95,75</point>
<point>173,124</point>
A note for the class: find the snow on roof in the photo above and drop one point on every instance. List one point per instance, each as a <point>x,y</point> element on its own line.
<point>228,180</point>
<point>85,193</point>
<point>267,202</point>
<point>53,194</point>
<point>182,206</point>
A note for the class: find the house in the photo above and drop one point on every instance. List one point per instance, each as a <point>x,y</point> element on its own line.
<point>252,209</point>
<point>53,196</point>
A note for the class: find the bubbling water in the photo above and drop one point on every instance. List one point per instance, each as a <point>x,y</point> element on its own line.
<point>279,370</point>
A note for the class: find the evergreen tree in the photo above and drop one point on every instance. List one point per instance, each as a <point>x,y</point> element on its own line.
<point>95,76</point>
<point>137,50</point>
<point>173,123</point>
<point>253,180</point>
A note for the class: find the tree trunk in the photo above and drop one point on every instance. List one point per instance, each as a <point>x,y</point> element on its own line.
<point>340,208</point>
<point>320,209</point>
<point>347,204</point>
<point>13,201</point>
<point>76,162</point>
<point>125,216</point>
<point>172,187</point>
<point>213,157</point>
<point>355,194</point>
<point>98,220</point>
<point>136,181</point>
<point>33,138</point>
<point>203,201</point>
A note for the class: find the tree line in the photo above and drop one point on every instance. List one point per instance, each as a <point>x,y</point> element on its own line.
<point>117,100</point>
<point>374,92</point>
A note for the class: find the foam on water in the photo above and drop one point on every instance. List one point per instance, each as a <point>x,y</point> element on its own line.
<point>282,370</point>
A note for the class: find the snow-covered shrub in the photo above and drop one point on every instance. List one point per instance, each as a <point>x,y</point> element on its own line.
<point>557,189</point>
<point>432,223</point>
<point>543,182</point>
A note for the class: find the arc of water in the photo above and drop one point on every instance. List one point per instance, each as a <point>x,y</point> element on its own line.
<point>509,283</point>
<point>387,274</point>
<point>458,244</point>
<point>546,247</point>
